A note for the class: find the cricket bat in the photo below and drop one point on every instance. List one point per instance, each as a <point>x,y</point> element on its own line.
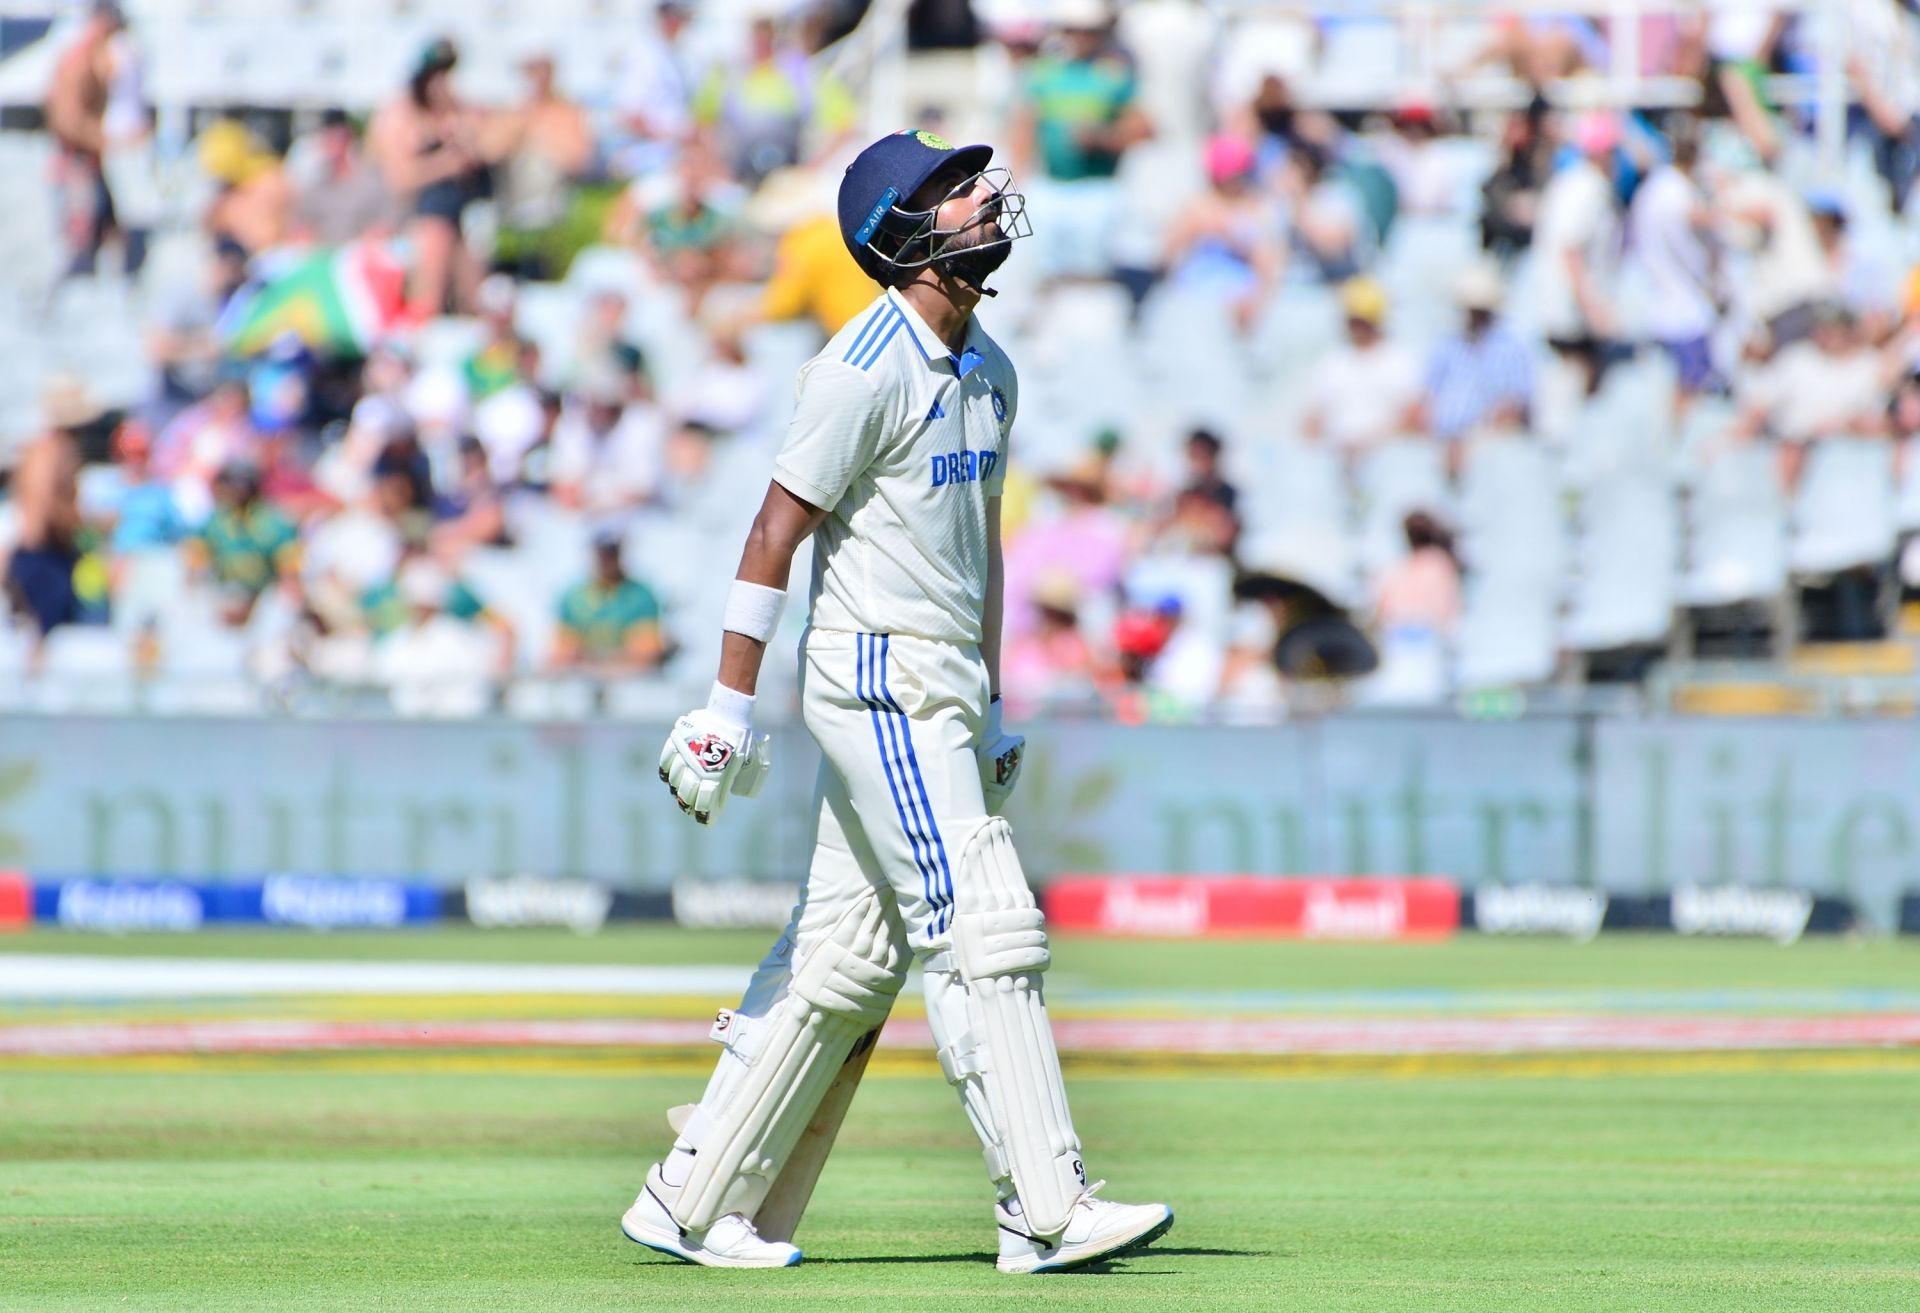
<point>779,1214</point>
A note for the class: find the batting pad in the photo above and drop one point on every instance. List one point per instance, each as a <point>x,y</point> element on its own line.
<point>999,953</point>
<point>843,986</point>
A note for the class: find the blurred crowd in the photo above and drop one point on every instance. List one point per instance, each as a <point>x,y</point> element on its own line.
<point>364,393</point>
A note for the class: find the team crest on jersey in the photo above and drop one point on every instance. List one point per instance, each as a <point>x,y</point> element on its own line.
<point>711,751</point>
<point>1000,405</point>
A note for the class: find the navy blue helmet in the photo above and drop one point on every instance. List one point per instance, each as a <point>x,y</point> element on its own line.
<point>890,241</point>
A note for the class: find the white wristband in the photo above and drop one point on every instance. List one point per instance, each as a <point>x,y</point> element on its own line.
<point>731,705</point>
<point>753,610</point>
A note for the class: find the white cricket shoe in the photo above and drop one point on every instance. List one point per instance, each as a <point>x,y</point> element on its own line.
<point>729,1242</point>
<point>1097,1229</point>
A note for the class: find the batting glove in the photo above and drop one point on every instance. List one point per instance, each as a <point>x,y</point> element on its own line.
<point>999,754</point>
<point>712,754</point>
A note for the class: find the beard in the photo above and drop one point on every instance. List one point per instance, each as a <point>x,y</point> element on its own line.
<point>976,253</point>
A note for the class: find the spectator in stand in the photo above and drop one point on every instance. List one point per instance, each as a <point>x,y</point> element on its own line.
<point>428,144</point>
<point>431,662</point>
<point>391,606</point>
<point>76,111</point>
<point>1087,541</point>
<point>1368,390</point>
<point>609,445</point>
<point>1830,386</point>
<point>689,240</point>
<point>181,340</point>
<point>1670,224</point>
<point>1420,591</point>
<point>1510,197</point>
<point>1203,470</point>
<point>543,146</point>
<point>246,547</point>
<point>1271,122</point>
<point>1076,117</point>
<point>1576,241</point>
<point>143,526</point>
<point>46,552</point>
<point>205,438</point>
<point>764,108</point>
<point>813,276</point>
<point>1786,274</point>
<point>470,512</point>
<point>1225,244</point>
<point>601,345</point>
<point>1481,379</point>
<point>1867,286</point>
<point>495,364</point>
<point>253,207</point>
<point>1051,662</point>
<point>654,101</point>
<point>339,196</point>
<point>1425,174</point>
<point>1895,122</point>
<point>1326,221</point>
<point>609,623</point>
<point>513,421</point>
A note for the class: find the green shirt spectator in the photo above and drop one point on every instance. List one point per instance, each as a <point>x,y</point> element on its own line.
<point>609,620</point>
<point>385,610</point>
<point>1074,102</point>
<point>246,547</point>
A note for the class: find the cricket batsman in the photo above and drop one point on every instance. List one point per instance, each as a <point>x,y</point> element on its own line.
<point>894,463</point>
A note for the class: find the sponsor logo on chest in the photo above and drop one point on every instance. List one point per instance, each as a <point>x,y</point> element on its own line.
<point>955,467</point>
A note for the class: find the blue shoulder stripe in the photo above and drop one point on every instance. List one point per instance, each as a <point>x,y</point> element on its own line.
<point>874,352</point>
<point>874,320</point>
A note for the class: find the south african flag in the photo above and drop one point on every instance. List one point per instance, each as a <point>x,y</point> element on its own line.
<point>338,301</point>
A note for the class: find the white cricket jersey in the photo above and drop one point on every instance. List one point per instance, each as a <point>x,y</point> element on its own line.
<point>901,441</point>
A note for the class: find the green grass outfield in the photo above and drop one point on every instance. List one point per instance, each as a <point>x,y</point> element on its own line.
<point>316,1182</point>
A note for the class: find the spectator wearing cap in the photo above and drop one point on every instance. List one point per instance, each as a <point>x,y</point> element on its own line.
<point>253,206</point>
<point>428,144</point>
<point>1426,177</point>
<point>1075,117</point>
<point>1669,226</point>
<point>339,195</point>
<point>1225,244</point>
<point>1867,286</point>
<point>543,146</point>
<point>1481,378</point>
<point>1368,389</point>
<point>609,622</point>
<point>609,445</point>
<point>246,546</point>
<point>1576,243</point>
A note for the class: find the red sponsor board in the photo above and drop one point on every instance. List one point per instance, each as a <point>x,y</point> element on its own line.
<point>16,902</point>
<point>1209,907</point>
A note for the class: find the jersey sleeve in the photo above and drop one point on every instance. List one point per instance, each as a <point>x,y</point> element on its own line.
<point>835,433</point>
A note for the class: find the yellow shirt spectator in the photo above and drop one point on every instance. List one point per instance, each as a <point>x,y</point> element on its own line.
<point>814,275</point>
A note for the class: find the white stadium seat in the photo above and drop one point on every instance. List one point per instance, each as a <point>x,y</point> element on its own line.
<point>1737,531</point>
<point>1844,514</point>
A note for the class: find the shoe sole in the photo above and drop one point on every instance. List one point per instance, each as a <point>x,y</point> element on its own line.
<point>673,1251</point>
<point>1140,1241</point>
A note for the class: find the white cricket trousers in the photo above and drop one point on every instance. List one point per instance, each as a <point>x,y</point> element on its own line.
<point>897,719</point>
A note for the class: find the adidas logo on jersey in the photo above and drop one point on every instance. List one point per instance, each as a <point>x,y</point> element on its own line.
<point>963,467</point>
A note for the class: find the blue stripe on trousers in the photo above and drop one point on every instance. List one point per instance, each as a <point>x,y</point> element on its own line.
<point>946,903</point>
<point>862,681</point>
